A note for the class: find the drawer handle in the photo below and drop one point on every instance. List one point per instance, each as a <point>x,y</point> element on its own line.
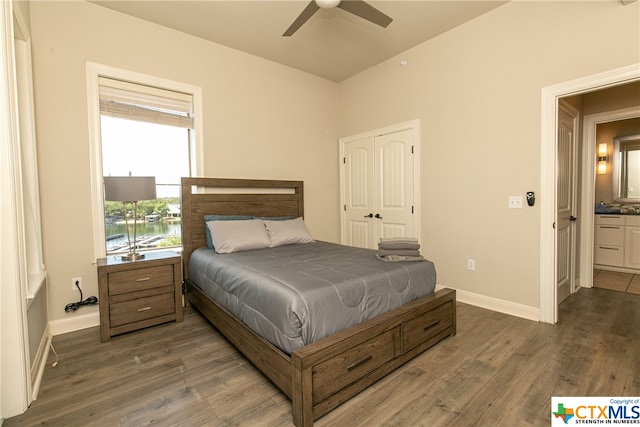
<point>359,363</point>
<point>143,279</point>
<point>605,226</point>
<point>144,309</point>
<point>610,249</point>
<point>431,325</point>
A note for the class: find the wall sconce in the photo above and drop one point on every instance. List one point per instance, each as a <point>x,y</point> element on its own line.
<point>602,158</point>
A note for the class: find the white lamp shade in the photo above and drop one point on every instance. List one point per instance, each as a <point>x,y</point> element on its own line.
<point>129,188</point>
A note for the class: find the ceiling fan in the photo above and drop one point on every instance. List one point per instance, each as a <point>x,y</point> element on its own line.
<point>357,7</point>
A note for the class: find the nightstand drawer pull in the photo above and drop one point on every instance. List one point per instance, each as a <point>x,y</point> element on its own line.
<point>144,309</point>
<point>143,279</point>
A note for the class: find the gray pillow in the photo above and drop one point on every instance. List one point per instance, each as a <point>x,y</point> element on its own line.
<point>288,232</point>
<point>240,235</point>
<point>208,218</point>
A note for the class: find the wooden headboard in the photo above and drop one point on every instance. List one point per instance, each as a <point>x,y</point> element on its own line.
<point>221,196</point>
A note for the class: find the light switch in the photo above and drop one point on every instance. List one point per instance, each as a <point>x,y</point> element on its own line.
<point>515,202</point>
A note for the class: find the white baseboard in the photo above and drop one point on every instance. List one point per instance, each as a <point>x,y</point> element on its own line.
<point>495,304</point>
<point>74,323</point>
<point>40,362</point>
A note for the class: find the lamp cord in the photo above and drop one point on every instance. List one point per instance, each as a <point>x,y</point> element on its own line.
<point>76,305</point>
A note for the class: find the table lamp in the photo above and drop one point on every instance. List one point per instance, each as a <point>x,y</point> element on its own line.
<point>130,189</point>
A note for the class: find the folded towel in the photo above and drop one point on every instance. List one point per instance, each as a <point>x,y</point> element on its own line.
<point>398,258</point>
<point>398,239</point>
<point>401,252</point>
<point>398,245</point>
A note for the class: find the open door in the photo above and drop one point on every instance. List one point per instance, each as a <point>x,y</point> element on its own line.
<point>566,201</point>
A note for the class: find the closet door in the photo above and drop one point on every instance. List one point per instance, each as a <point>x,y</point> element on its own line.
<point>358,187</point>
<point>378,183</point>
<point>393,185</point>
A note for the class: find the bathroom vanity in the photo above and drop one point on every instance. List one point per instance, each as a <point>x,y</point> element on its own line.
<point>617,242</point>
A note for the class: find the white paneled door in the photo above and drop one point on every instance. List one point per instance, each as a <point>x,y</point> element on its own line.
<point>566,201</point>
<point>379,187</point>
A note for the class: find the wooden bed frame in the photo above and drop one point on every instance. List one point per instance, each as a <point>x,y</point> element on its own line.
<point>320,376</point>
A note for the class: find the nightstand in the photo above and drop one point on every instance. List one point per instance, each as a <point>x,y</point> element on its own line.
<point>138,294</point>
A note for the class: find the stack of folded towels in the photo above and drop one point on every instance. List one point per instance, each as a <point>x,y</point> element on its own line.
<point>394,249</point>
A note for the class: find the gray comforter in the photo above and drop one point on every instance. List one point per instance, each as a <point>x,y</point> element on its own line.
<point>296,294</point>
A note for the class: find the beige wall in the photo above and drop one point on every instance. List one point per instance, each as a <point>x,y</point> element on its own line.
<point>477,91</point>
<point>261,120</point>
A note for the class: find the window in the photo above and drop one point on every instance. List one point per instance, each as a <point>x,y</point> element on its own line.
<point>146,128</point>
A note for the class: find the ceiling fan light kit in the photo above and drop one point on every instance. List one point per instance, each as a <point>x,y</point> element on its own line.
<point>327,4</point>
<point>356,7</point>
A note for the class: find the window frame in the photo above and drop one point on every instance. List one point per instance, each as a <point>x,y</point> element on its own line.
<point>93,72</point>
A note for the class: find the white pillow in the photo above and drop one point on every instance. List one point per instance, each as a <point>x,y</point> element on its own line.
<point>241,235</point>
<point>289,232</point>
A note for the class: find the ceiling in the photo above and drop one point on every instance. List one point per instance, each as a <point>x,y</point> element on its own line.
<point>333,44</point>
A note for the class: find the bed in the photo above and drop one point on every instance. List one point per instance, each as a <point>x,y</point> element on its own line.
<point>319,376</point>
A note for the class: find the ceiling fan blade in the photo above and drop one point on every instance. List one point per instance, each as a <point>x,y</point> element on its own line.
<point>307,13</point>
<point>365,11</point>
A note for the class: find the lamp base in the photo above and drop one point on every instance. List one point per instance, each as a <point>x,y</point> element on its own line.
<point>132,256</point>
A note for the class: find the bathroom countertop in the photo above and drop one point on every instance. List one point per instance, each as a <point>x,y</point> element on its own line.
<point>617,213</point>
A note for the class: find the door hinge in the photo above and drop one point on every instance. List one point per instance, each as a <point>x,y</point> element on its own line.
<point>344,160</point>
<point>412,149</point>
<point>411,209</point>
<point>345,208</point>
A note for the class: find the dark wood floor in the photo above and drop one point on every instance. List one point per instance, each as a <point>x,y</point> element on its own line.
<point>498,370</point>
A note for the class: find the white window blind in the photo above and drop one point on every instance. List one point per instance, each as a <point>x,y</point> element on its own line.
<point>145,103</point>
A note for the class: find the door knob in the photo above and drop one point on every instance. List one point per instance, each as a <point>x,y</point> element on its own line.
<point>572,218</point>
<point>369,216</point>
<point>378,216</point>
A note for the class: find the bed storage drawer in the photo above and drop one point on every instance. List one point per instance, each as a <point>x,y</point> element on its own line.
<point>350,365</point>
<point>424,327</point>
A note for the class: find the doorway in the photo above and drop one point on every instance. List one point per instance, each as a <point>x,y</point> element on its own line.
<point>588,185</point>
<point>548,213</point>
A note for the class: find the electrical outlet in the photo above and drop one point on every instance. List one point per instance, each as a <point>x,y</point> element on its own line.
<point>471,264</point>
<point>77,280</point>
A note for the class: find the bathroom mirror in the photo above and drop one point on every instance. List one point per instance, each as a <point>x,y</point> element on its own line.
<point>626,169</point>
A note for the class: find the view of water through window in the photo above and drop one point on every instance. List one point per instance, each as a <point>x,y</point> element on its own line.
<point>145,149</point>
<point>149,235</point>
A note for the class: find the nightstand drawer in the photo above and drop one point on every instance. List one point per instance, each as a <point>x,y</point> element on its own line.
<point>139,279</point>
<point>140,309</point>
